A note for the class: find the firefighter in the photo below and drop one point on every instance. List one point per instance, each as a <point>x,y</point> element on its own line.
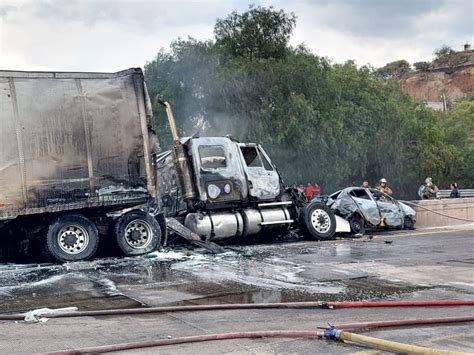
<point>383,187</point>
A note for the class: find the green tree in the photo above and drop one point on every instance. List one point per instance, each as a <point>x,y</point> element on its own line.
<point>335,124</point>
<point>422,66</point>
<point>446,57</point>
<point>458,124</point>
<point>395,69</point>
<point>257,33</point>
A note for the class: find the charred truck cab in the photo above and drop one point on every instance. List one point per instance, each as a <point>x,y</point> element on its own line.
<point>221,188</point>
<point>235,190</point>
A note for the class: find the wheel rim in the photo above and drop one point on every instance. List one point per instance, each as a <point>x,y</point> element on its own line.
<point>138,234</point>
<point>356,226</point>
<point>73,239</point>
<point>320,220</point>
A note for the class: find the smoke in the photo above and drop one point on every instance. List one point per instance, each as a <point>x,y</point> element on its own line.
<point>318,122</point>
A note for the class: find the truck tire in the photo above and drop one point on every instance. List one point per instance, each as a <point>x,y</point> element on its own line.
<point>137,233</point>
<point>72,237</point>
<point>318,220</point>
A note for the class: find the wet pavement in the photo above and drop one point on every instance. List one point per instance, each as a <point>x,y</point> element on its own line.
<point>392,266</point>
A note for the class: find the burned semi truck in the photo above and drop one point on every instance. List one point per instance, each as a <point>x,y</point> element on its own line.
<point>75,148</point>
<point>221,188</point>
<point>79,160</point>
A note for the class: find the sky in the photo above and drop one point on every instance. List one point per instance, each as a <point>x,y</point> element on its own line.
<point>111,35</point>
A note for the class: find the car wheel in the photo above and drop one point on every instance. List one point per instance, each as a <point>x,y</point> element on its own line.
<point>72,237</point>
<point>318,220</point>
<point>408,223</point>
<point>137,233</point>
<point>357,225</point>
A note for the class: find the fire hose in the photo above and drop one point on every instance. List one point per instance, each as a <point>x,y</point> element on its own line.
<point>382,344</point>
<point>331,333</point>
<point>236,306</point>
<point>437,212</point>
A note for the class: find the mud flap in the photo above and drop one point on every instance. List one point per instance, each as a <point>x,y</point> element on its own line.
<point>176,227</point>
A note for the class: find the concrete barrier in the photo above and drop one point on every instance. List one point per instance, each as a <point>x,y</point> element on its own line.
<point>456,207</point>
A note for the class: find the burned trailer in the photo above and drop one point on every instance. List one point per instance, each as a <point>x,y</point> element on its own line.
<point>220,188</point>
<point>76,160</point>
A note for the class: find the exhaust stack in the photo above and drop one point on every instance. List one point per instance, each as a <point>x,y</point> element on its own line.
<point>171,120</point>
<point>180,158</point>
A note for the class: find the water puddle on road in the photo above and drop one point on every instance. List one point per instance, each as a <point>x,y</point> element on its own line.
<point>86,285</point>
<point>64,291</point>
<point>179,278</point>
<point>356,290</point>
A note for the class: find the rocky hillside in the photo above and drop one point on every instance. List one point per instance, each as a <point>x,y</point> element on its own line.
<point>429,85</point>
<point>454,81</point>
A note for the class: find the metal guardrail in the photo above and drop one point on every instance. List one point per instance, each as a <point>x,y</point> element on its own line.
<point>464,193</point>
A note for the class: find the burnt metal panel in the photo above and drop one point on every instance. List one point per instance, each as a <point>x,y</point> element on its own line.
<point>67,75</point>
<point>232,173</point>
<point>346,205</point>
<point>12,184</point>
<point>263,179</point>
<point>72,140</point>
<point>85,123</point>
<point>372,208</point>
<point>391,213</point>
<point>170,199</point>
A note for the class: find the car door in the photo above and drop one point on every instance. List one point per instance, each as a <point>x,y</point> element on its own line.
<point>390,210</point>
<point>263,179</point>
<point>366,205</point>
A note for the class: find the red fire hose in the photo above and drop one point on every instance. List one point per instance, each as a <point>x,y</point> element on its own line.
<point>189,339</point>
<point>254,334</point>
<point>230,306</point>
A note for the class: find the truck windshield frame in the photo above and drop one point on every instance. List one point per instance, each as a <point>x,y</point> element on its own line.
<point>254,158</point>
<point>212,157</point>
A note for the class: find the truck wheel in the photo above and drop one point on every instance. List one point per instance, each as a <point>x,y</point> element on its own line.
<point>357,225</point>
<point>72,237</point>
<point>319,221</point>
<point>137,233</point>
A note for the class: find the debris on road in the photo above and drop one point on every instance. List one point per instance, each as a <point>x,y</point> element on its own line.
<point>41,315</point>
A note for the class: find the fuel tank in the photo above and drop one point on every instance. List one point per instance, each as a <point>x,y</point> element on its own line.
<point>242,223</point>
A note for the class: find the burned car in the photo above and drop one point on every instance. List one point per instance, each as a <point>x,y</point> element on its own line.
<point>370,208</point>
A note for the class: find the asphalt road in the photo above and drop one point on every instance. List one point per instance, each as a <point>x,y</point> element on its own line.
<point>436,264</point>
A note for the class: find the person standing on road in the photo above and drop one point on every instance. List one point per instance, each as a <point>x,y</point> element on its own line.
<point>316,190</point>
<point>454,191</point>
<point>301,188</point>
<point>365,184</point>
<point>309,191</point>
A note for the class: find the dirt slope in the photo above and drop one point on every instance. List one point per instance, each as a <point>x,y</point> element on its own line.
<point>428,86</point>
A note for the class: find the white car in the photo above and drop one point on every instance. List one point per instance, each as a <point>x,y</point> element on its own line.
<point>370,208</point>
